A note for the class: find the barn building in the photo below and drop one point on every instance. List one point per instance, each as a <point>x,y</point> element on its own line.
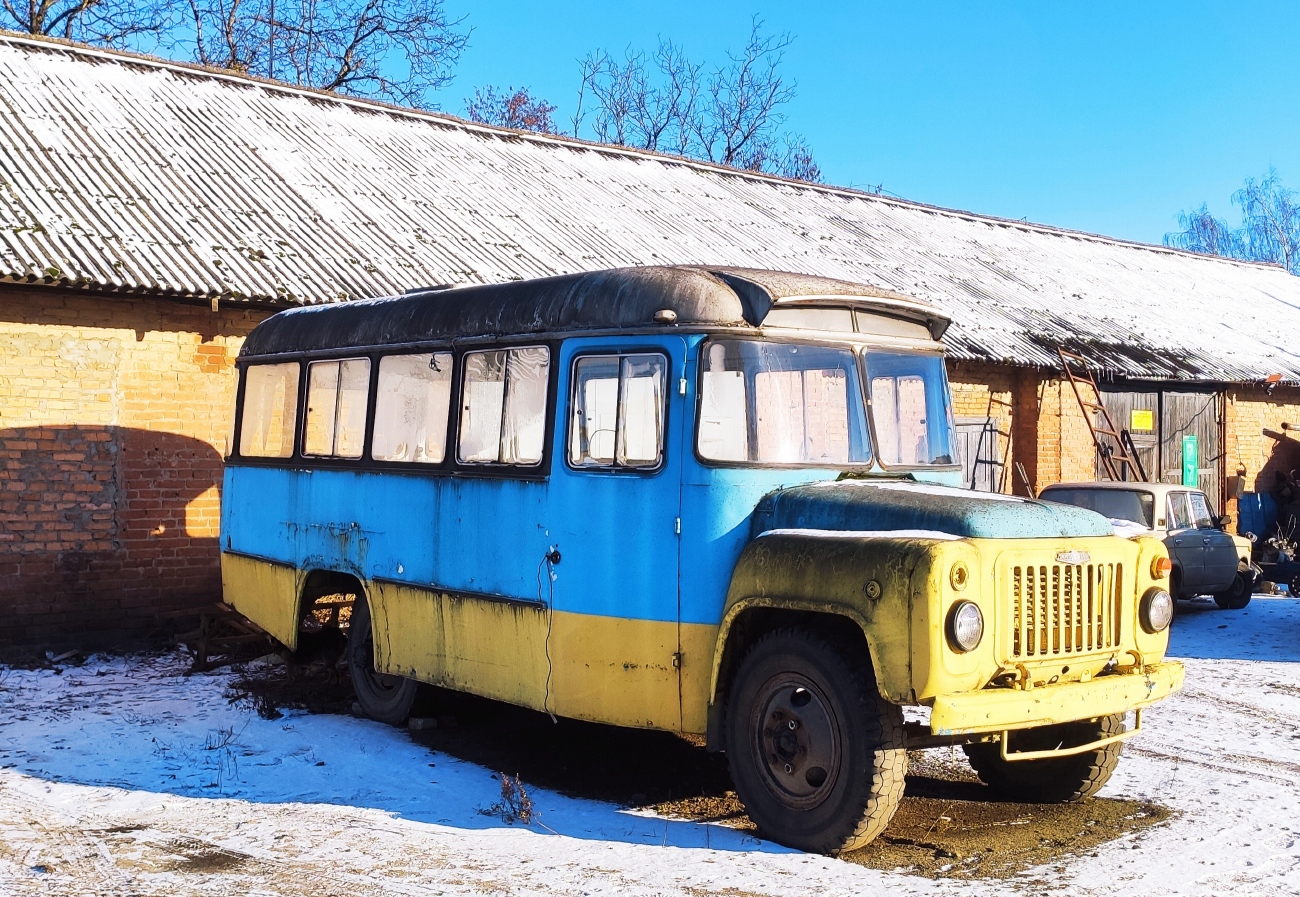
<point>152,213</point>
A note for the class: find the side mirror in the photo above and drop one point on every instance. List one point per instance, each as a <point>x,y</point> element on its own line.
<point>1222,521</point>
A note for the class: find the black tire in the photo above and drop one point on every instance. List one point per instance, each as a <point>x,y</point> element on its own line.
<point>830,778</point>
<point>382,697</point>
<point>1237,595</point>
<point>1054,780</point>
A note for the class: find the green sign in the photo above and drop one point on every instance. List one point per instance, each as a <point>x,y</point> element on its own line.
<point>1191,462</point>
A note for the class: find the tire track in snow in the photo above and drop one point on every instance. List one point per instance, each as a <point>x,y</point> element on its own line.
<point>1243,764</point>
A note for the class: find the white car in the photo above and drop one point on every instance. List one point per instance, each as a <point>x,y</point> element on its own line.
<point>1207,560</point>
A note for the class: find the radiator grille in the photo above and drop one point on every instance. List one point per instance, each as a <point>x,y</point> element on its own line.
<point>1062,609</point>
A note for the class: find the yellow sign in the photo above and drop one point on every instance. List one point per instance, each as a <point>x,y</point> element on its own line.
<point>1141,419</point>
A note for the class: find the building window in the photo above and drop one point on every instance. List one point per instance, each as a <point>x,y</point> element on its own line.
<point>337,392</point>
<point>617,415</point>
<point>503,406</point>
<point>270,409</point>
<point>412,408</point>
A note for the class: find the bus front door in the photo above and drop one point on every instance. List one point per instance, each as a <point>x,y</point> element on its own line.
<point>614,514</point>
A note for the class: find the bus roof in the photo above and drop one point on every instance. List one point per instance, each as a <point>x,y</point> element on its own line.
<point>617,299</point>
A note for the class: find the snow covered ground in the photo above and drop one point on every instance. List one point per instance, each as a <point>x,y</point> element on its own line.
<point>122,776</point>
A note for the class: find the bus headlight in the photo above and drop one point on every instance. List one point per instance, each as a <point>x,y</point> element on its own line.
<point>1156,611</point>
<point>965,627</point>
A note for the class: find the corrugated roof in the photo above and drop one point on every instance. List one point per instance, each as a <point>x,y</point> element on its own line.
<point>128,173</point>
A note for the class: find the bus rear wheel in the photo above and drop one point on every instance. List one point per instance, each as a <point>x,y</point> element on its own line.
<point>1051,780</point>
<point>816,754</point>
<point>382,697</point>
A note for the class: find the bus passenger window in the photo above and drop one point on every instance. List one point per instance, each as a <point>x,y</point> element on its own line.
<point>411,408</point>
<point>617,416</point>
<point>503,406</point>
<point>337,392</point>
<point>270,409</point>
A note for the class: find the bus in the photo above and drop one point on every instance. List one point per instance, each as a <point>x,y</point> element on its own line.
<point>715,501</point>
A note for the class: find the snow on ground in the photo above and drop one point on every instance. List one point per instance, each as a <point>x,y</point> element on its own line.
<point>123,776</point>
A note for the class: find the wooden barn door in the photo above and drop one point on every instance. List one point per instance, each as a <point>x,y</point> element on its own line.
<point>1139,413</point>
<point>1199,414</point>
<point>1158,420</point>
<point>978,449</point>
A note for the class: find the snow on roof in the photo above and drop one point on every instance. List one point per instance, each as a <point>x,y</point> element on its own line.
<point>128,173</point>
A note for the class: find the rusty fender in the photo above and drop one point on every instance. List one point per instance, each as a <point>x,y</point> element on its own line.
<point>875,581</point>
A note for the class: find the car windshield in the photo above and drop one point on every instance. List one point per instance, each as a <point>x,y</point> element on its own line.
<point>781,403</point>
<point>1117,504</point>
<point>910,409</point>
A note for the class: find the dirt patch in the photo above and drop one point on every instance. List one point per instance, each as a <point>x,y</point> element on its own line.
<point>199,856</point>
<point>948,825</point>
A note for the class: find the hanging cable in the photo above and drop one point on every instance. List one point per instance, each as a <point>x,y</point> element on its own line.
<point>548,561</point>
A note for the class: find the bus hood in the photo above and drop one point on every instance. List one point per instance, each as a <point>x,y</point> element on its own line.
<point>922,510</point>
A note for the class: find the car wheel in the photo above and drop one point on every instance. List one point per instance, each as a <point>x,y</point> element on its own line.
<point>1237,595</point>
<point>382,696</point>
<point>816,754</point>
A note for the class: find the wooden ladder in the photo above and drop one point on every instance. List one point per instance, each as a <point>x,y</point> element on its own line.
<point>1118,457</point>
<point>1001,439</point>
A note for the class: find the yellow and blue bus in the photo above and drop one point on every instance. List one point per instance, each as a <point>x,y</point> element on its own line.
<point>705,500</point>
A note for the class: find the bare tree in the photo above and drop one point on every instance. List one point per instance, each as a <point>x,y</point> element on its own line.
<point>399,50</point>
<point>511,108</point>
<point>789,156</point>
<point>745,99</point>
<point>631,109</point>
<point>114,23</point>
<point>1269,230</point>
<point>666,102</point>
<point>1202,232</point>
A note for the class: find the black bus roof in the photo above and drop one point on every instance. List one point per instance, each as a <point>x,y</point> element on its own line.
<point>618,299</point>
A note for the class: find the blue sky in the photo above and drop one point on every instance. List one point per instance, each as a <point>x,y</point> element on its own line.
<point>1101,116</point>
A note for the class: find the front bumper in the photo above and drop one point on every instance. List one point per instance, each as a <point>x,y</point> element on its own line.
<point>1001,709</point>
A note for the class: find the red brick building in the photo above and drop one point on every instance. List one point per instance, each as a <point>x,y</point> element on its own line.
<point>152,213</point>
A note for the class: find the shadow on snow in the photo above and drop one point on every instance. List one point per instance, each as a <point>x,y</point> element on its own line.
<point>139,724</point>
<point>1266,629</point>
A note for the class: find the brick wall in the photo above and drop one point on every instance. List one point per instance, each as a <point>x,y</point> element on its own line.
<point>1049,435</point>
<point>973,385</point>
<point>1254,438</point>
<point>113,419</point>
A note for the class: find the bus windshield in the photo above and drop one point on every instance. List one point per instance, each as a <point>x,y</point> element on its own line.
<point>781,404</point>
<point>910,409</point>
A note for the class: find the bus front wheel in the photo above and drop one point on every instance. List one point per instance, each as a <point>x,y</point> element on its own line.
<point>1050,780</point>
<point>816,754</point>
<point>382,697</point>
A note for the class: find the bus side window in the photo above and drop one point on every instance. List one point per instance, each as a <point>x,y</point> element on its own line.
<point>411,408</point>
<point>617,414</point>
<point>337,394</point>
<point>503,406</point>
<point>270,409</point>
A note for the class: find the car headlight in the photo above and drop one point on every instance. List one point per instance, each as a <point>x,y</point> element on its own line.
<point>965,627</point>
<point>1156,611</point>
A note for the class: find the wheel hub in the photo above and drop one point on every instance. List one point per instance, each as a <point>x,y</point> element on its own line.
<point>798,740</point>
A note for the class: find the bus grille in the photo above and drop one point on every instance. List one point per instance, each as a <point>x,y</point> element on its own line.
<point>1064,609</point>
